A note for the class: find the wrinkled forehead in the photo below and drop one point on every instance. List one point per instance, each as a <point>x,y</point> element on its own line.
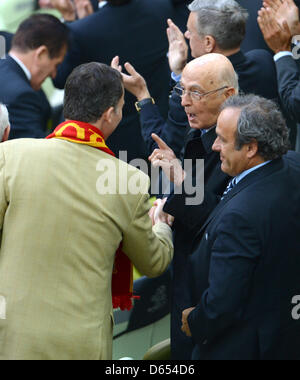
<point>203,77</point>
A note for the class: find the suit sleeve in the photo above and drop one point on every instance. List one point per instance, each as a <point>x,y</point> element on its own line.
<point>28,118</point>
<point>149,249</point>
<point>288,76</point>
<point>235,254</point>
<point>173,130</point>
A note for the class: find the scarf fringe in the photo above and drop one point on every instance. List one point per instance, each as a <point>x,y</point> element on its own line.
<point>124,302</point>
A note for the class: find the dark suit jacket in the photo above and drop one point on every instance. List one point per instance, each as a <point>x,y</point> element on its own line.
<point>8,39</point>
<point>245,271</point>
<point>288,75</point>
<point>188,219</point>
<point>137,33</point>
<point>29,110</point>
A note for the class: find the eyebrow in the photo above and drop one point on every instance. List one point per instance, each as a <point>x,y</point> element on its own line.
<point>196,86</point>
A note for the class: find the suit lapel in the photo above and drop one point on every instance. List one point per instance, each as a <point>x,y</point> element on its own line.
<point>251,178</point>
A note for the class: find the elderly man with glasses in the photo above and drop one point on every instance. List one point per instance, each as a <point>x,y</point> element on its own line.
<point>205,85</point>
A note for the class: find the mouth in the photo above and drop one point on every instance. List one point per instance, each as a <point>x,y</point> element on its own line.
<point>191,116</point>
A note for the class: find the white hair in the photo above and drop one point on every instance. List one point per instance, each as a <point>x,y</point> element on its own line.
<point>4,120</point>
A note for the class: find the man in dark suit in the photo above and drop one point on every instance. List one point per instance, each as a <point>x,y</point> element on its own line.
<point>135,31</point>
<point>208,82</point>
<point>245,269</point>
<point>222,32</point>
<point>38,47</point>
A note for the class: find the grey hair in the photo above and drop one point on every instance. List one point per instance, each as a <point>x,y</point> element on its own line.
<point>225,20</point>
<point>262,121</point>
<point>4,120</point>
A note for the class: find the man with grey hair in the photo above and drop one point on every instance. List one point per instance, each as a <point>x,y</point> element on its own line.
<point>205,85</point>
<point>245,269</point>
<point>4,123</point>
<point>220,27</point>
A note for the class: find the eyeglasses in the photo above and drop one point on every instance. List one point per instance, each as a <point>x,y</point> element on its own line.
<point>195,95</point>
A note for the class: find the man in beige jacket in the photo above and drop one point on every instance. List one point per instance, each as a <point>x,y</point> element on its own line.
<point>60,230</point>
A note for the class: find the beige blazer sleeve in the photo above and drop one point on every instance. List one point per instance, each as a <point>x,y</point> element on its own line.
<point>3,200</point>
<point>149,249</point>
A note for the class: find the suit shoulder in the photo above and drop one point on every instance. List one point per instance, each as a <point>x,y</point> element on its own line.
<point>260,54</point>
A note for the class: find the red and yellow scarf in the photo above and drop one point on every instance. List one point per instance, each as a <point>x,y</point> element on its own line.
<point>122,277</point>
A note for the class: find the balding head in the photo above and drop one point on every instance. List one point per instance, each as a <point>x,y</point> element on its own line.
<point>4,123</point>
<point>212,75</point>
<point>215,69</point>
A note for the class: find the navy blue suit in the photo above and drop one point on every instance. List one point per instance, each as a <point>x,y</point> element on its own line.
<point>245,271</point>
<point>253,69</point>
<point>29,110</point>
<point>188,220</point>
<point>137,33</point>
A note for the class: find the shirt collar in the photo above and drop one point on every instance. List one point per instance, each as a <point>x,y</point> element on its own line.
<point>241,176</point>
<point>102,4</point>
<point>21,64</point>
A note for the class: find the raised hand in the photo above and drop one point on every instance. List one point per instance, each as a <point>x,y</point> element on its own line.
<point>285,10</point>
<point>66,8</point>
<point>178,48</point>
<point>134,82</point>
<point>165,158</point>
<point>83,8</point>
<point>278,37</point>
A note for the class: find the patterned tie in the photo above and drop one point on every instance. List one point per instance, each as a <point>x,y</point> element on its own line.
<point>230,186</point>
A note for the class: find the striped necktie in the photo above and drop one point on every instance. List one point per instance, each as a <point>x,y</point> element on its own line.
<point>230,186</point>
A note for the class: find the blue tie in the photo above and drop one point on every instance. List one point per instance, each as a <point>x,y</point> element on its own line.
<point>230,186</point>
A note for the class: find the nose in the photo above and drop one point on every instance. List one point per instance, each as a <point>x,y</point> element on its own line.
<point>187,35</point>
<point>186,100</point>
<point>216,147</point>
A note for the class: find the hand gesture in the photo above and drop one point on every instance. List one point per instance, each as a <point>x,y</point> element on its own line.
<point>157,214</point>
<point>134,82</point>
<point>165,158</point>
<point>66,8</point>
<point>285,11</point>
<point>277,37</point>
<point>178,48</point>
<point>83,8</point>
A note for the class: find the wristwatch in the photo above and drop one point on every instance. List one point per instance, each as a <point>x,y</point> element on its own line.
<point>139,105</point>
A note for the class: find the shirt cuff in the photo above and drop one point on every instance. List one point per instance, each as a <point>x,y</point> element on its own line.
<point>282,54</point>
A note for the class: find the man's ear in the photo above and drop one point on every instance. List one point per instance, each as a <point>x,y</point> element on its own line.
<point>41,51</point>
<point>230,91</point>
<point>209,44</point>
<point>252,149</point>
<point>6,134</point>
<point>108,115</point>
